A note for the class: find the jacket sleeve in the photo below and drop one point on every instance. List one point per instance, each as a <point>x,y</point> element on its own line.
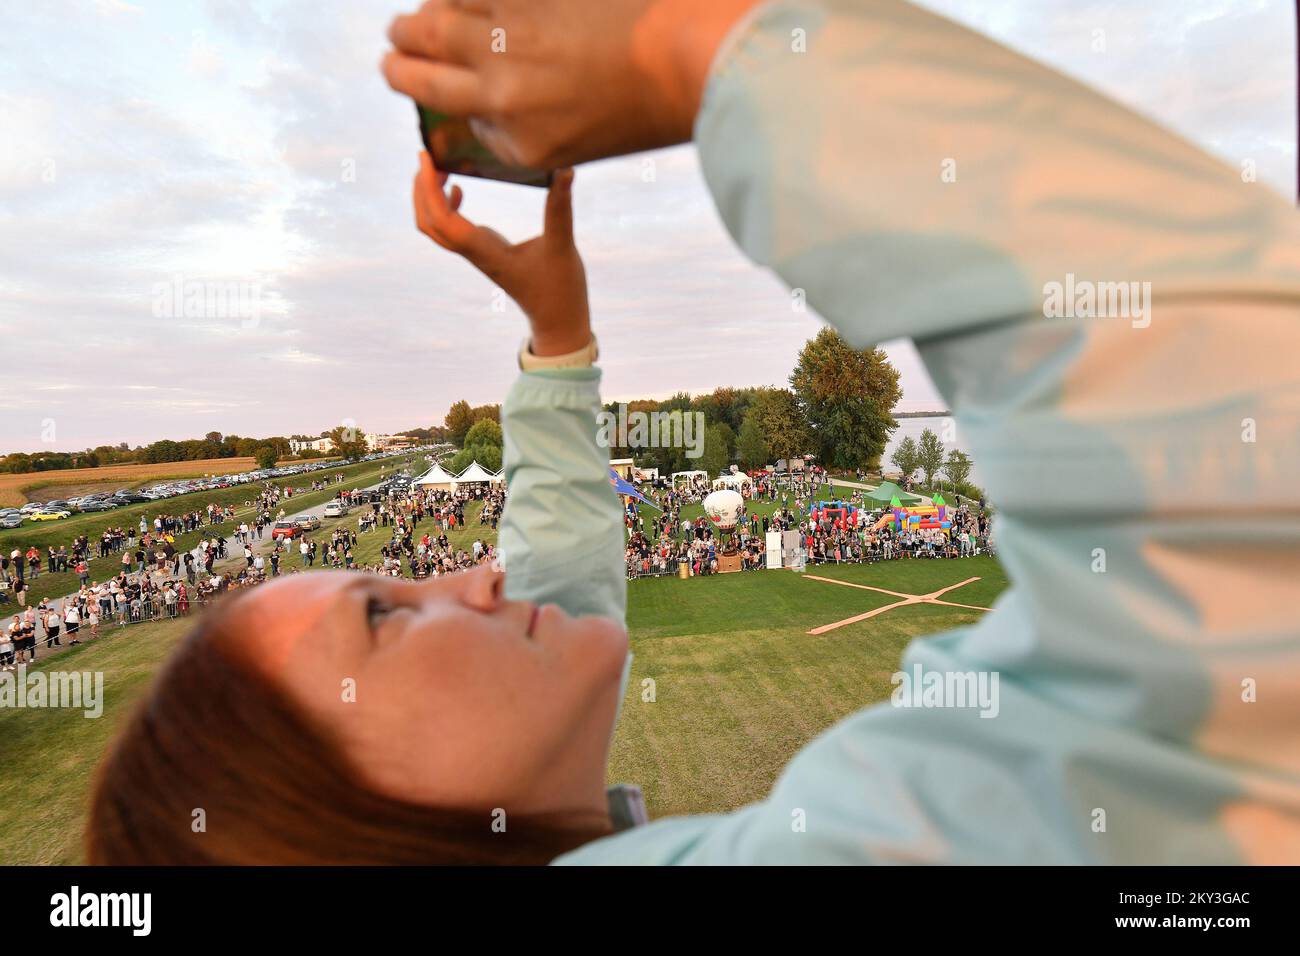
<point>917,179</point>
<point>561,538</point>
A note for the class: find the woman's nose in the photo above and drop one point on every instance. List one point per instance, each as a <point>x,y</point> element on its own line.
<point>482,588</point>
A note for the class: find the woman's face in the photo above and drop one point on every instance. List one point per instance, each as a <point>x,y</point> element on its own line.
<point>442,692</point>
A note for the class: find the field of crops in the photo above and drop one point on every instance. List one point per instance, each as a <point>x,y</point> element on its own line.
<point>17,490</point>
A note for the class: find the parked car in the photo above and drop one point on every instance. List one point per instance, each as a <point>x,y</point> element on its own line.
<point>48,514</point>
<point>98,505</point>
<point>307,522</point>
<point>285,529</point>
<point>336,509</point>
<point>11,521</point>
<point>31,507</point>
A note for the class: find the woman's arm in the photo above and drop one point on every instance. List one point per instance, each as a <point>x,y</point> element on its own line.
<point>561,535</point>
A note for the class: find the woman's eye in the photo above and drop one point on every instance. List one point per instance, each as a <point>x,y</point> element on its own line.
<point>376,611</point>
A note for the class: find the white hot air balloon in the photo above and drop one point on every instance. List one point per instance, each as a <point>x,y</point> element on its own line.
<point>724,508</point>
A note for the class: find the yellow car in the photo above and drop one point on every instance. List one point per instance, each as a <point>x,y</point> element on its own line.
<point>48,515</point>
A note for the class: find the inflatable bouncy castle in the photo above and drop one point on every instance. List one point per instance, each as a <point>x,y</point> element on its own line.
<point>841,514</point>
<point>924,517</point>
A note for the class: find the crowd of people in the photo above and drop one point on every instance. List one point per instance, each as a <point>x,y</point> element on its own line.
<point>156,580</point>
<point>662,543</point>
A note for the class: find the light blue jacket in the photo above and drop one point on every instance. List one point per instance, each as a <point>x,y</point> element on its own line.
<point>917,179</point>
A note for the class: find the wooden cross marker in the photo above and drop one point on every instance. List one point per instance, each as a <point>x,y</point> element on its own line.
<point>931,598</point>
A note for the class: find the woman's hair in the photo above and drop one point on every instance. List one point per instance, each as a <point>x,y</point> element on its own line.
<point>216,767</point>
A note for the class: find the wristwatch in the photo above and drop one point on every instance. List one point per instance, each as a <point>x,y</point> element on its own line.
<point>584,357</point>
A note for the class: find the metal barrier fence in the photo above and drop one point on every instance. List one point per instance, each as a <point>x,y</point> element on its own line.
<point>870,557</point>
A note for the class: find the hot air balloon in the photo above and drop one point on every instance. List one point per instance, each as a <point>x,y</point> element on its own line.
<point>724,508</point>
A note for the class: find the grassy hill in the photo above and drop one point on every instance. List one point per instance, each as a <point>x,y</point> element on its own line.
<point>58,533</point>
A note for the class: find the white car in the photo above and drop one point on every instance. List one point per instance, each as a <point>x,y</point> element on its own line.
<point>335,509</point>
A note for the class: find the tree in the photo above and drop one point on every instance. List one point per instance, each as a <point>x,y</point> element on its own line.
<point>267,456</point>
<point>485,431</point>
<point>751,446</point>
<point>906,456</point>
<point>846,395</point>
<point>458,421</point>
<point>489,456</point>
<point>957,467</point>
<point>929,455</point>
<point>781,420</point>
<point>349,442</point>
<point>718,442</point>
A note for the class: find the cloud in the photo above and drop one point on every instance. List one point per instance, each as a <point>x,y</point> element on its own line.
<point>231,141</point>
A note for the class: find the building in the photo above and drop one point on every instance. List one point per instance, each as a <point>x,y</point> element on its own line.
<point>378,442</point>
<point>315,444</point>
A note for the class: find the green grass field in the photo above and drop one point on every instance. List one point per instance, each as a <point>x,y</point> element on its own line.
<point>739,687</point>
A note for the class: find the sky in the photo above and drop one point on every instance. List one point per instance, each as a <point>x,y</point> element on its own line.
<point>251,147</point>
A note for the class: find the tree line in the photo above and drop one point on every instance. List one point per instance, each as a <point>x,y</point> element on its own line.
<point>838,406</point>
<point>349,442</point>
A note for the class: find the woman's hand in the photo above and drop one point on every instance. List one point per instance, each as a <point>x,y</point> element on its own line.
<point>544,275</point>
<point>565,81</point>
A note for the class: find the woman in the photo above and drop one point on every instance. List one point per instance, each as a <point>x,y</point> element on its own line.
<point>71,620</point>
<point>354,718</point>
<point>1103,438</point>
<point>52,623</point>
<point>7,648</point>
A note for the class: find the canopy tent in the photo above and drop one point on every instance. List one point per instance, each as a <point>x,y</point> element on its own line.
<point>688,475</point>
<point>438,478</point>
<point>476,473</point>
<point>736,482</point>
<point>887,491</point>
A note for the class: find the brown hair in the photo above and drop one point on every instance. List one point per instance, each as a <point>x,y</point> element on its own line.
<point>213,736</point>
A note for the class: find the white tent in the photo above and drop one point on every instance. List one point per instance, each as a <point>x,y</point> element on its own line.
<point>688,476</point>
<point>736,482</point>
<point>438,478</point>
<point>477,473</point>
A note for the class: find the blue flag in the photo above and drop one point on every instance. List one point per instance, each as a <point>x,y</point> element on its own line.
<point>624,487</point>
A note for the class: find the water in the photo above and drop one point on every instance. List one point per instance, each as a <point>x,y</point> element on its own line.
<point>945,428</point>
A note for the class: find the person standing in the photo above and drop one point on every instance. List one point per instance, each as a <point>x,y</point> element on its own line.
<point>71,620</point>
<point>52,623</point>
